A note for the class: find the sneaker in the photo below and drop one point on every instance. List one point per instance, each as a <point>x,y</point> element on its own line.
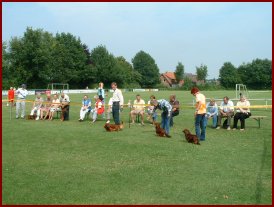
<point>17,117</point>
<point>228,128</point>
<point>142,124</point>
<point>107,121</point>
<point>234,129</point>
<point>37,118</point>
<point>242,129</point>
<point>217,127</point>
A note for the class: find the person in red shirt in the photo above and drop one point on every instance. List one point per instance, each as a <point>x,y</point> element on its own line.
<point>10,96</point>
<point>99,108</point>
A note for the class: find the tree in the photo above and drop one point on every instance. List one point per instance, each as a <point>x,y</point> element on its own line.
<point>179,72</point>
<point>256,75</point>
<point>69,60</point>
<point>6,73</point>
<point>201,72</point>
<point>228,75</point>
<point>145,65</point>
<point>103,62</point>
<point>30,58</point>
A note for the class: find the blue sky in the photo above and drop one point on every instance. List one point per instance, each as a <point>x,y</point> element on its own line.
<point>191,33</point>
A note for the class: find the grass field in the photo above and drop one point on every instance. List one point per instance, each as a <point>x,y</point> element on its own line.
<point>70,162</point>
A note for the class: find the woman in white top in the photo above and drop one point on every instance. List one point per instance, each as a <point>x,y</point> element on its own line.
<point>243,112</point>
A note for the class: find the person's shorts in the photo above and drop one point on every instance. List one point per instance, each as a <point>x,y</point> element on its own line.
<point>53,109</point>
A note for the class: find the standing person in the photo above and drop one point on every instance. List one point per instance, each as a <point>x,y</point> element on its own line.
<point>200,123</point>
<point>243,112</point>
<point>10,96</point>
<point>175,108</point>
<point>226,110</point>
<point>64,100</point>
<point>117,103</point>
<point>37,105</point>
<point>101,91</point>
<point>21,101</point>
<point>212,112</point>
<point>165,106</point>
<point>86,107</point>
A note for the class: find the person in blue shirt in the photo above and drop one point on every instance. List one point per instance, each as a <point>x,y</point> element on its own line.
<point>212,112</point>
<point>165,106</point>
<point>101,91</point>
<point>86,107</point>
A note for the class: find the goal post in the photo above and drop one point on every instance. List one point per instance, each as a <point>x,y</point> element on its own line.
<point>58,87</point>
<point>241,90</point>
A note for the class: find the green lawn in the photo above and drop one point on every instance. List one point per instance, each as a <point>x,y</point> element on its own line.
<point>80,163</point>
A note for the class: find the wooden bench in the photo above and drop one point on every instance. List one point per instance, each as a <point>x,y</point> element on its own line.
<point>258,119</point>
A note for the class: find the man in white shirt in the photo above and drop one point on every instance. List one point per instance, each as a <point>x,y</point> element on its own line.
<point>226,110</point>
<point>138,108</point>
<point>21,101</point>
<point>117,103</point>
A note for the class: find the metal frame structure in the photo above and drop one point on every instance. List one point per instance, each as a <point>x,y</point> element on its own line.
<point>241,90</point>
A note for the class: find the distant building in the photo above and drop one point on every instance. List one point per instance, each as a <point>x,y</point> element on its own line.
<point>168,79</point>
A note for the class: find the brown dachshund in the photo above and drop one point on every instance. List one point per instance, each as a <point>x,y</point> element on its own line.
<point>191,138</point>
<point>114,127</point>
<point>160,131</point>
<point>31,117</point>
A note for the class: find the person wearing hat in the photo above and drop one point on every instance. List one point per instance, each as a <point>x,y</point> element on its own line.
<point>200,122</point>
<point>21,101</point>
<point>212,112</point>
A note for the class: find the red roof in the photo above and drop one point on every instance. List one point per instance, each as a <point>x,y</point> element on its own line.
<point>170,75</point>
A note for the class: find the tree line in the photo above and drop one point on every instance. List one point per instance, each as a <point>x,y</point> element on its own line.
<point>39,58</point>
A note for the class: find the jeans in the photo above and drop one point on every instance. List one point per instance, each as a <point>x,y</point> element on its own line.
<point>214,120</point>
<point>165,122</point>
<point>115,112</point>
<point>200,126</point>
<point>174,113</point>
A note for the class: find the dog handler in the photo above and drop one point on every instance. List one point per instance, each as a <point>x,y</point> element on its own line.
<point>117,103</point>
<point>200,123</point>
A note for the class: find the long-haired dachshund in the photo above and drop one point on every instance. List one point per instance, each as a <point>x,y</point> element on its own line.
<point>114,127</point>
<point>191,138</point>
<point>160,131</point>
<point>31,117</point>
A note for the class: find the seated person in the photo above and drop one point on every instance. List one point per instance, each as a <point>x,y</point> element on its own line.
<point>212,112</point>
<point>242,113</point>
<point>138,108</point>
<point>109,111</point>
<point>55,104</point>
<point>86,107</point>
<point>152,114</point>
<point>226,110</point>
<point>98,109</point>
<point>46,107</point>
<point>64,100</point>
<point>37,104</point>
<point>175,108</point>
